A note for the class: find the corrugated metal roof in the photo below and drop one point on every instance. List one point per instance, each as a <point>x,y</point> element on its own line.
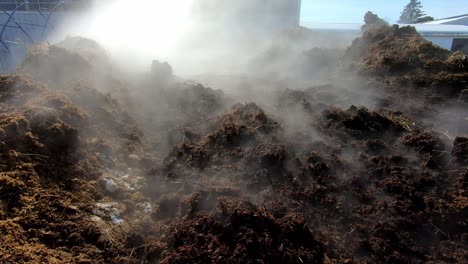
<point>442,29</point>
<point>456,20</point>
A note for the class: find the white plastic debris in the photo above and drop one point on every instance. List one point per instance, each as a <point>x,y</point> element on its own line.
<point>128,186</point>
<point>110,185</point>
<point>116,220</point>
<point>147,208</point>
<point>96,218</point>
<point>108,210</point>
<point>134,157</point>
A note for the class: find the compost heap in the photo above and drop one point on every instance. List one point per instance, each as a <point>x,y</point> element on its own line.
<point>93,172</point>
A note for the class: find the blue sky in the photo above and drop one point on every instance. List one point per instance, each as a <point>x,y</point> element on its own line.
<point>352,11</point>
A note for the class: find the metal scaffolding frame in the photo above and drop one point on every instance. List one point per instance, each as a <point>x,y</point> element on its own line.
<point>28,5</point>
<point>12,22</point>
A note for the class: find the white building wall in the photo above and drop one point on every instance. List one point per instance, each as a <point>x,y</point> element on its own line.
<point>444,42</point>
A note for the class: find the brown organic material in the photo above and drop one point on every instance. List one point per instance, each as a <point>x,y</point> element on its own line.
<point>103,170</point>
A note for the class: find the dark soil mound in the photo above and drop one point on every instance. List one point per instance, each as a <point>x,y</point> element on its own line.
<point>241,137</point>
<point>411,63</point>
<point>372,196</point>
<point>46,165</point>
<point>166,172</point>
<point>71,60</point>
<point>360,123</point>
<point>460,151</point>
<point>242,233</point>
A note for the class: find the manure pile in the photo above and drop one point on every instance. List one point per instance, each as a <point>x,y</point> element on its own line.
<point>98,168</point>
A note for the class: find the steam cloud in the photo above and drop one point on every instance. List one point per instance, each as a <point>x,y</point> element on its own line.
<point>267,151</point>
<point>194,36</point>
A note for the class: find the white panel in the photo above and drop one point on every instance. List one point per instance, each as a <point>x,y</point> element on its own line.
<point>444,42</point>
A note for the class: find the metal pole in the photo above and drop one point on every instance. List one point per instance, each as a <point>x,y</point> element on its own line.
<point>10,17</point>
<point>18,25</point>
<point>48,18</point>
<point>298,21</point>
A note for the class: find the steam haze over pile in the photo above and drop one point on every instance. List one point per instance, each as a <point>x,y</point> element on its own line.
<point>301,148</point>
<point>194,36</point>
